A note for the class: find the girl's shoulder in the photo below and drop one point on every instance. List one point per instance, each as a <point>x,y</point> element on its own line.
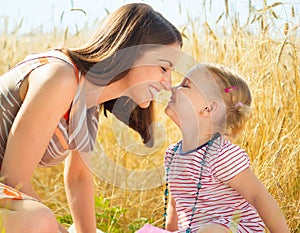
<point>225,145</point>
<point>171,150</point>
<point>229,160</point>
<point>173,147</point>
<point>224,151</point>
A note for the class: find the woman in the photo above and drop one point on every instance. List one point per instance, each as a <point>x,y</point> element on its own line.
<point>49,108</point>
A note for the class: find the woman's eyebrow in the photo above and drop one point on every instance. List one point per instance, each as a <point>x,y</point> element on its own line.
<point>170,63</point>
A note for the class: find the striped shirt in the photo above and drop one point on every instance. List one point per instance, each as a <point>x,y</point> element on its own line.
<point>217,201</point>
<point>77,130</point>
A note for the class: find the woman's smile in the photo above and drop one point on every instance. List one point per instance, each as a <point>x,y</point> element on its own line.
<point>153,91</point>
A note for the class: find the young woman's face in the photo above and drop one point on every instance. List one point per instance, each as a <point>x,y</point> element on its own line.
<point>151,74</point>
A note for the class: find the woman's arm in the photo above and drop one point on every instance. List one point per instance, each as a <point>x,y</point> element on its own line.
<point>172,218</point>
<point>249,186</point>
<point>79,184</point>
<point>51,89</point>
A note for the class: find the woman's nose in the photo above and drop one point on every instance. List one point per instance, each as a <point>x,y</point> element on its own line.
<point>173,89</point>
<point>167,81</point>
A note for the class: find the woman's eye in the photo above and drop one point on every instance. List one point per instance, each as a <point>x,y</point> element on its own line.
<point>163,69</point>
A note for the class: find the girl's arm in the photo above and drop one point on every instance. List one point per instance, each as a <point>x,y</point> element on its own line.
<point>249,186</point>
<point>79,184</point>
<point>172,218</point>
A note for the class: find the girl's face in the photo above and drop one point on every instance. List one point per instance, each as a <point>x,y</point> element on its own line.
<point>151,74</point>
<point>186,101</point>
<point>190,98</point>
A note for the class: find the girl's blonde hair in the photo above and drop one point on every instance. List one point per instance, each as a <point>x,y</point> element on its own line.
<point>236,96</point>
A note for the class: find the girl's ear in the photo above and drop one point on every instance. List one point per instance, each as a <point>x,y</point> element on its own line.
<point>210,109</point>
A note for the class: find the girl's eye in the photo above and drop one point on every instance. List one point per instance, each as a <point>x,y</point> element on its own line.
<point>185,83</point>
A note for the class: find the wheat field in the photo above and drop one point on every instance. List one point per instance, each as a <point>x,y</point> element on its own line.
<point>268,58</point>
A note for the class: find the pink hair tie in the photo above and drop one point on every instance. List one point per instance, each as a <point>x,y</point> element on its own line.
<point>230,89</point>
<point>239,104</point>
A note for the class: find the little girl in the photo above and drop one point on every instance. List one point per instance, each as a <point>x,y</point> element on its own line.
<point>210,185</point>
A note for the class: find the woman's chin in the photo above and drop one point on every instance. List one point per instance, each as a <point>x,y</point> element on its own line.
<point>144,104</point>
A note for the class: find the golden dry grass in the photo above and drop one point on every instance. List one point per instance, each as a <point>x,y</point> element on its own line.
<point>271,138</point>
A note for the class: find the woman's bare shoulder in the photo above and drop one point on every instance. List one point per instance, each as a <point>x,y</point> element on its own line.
<point>60,75</point>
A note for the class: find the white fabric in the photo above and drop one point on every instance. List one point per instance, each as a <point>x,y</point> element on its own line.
<point>73,230</point>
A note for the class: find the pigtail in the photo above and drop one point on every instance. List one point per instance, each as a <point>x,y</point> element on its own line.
<point>236,96</point>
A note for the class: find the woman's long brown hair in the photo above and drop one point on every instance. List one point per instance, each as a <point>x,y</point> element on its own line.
<point>107,57</point>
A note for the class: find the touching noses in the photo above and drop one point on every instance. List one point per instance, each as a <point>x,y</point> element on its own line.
<point>173,89</point>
